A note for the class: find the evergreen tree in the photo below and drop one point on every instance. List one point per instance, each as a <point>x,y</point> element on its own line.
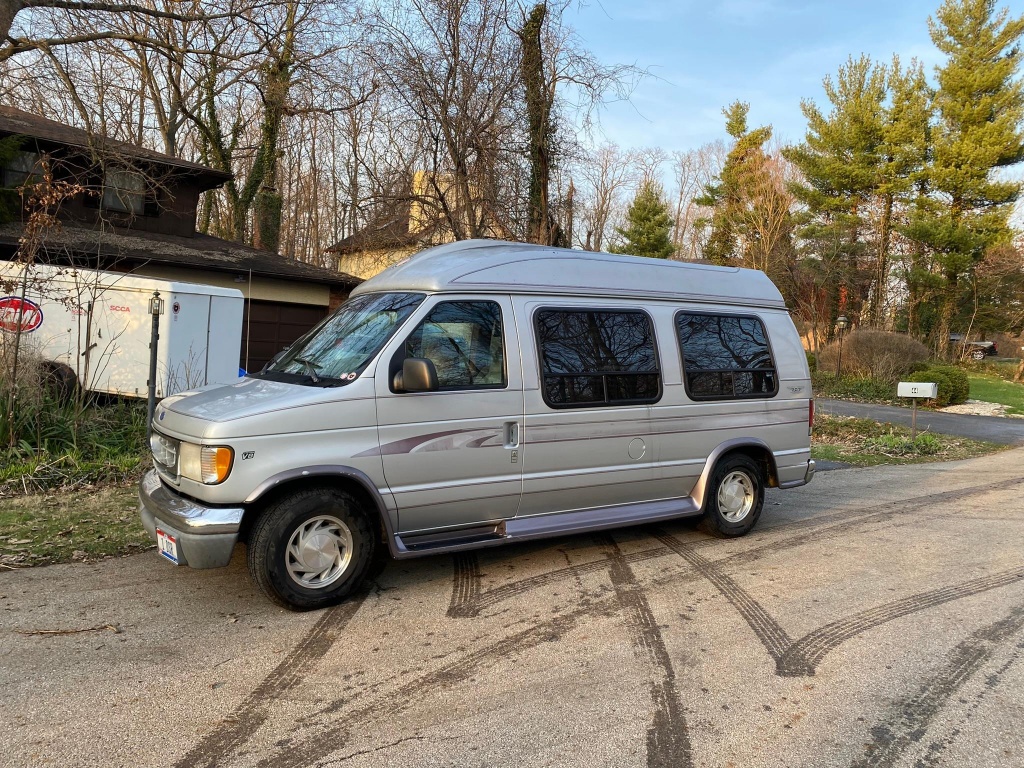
<point>728,194</point>
<point>841,162</point>
<point>751,223</point>
<point>649,225</point>
<point>904,152</point>
<point>979,108</point>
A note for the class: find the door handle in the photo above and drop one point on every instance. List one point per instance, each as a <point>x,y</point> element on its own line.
<point>511,434</point>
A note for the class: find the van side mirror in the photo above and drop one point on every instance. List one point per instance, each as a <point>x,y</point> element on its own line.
<point>418,374</point>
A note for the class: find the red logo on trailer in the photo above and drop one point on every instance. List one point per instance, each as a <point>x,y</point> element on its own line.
<point>14,309</point>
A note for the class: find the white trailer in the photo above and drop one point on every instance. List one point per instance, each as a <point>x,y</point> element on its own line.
<point>97,326</point>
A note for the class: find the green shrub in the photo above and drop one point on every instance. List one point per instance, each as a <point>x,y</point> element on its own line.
<point>960,383</point>
<point>825,385</point>
<point>812,361</point>
<point>918,366</point>
<point>936,377</point>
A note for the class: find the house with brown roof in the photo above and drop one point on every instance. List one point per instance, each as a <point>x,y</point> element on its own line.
<point>130,209</point>
<point>405,225</point>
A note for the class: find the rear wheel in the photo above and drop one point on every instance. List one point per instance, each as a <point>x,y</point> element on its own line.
<point>735,497</point>
<point>311,548</point>
<point>978,354</point>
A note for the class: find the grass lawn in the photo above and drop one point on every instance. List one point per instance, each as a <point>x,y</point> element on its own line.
<point>865,443</point>
<point>993,389</point>
<point>59,528</point>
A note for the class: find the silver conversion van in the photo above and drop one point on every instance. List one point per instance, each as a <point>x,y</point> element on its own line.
<point>486,392</point>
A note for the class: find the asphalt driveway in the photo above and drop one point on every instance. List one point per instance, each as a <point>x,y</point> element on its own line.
<point>874,618</point>
<point>995,429</point>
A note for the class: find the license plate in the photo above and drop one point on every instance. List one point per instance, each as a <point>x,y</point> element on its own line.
<point>168,545</point>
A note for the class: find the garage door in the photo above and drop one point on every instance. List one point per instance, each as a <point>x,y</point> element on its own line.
<point>271,326</point>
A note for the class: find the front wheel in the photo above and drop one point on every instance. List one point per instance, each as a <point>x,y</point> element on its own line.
<point>311,548</point>
<point>734,497</point>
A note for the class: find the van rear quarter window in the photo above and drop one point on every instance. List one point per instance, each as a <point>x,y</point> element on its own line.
<point>726,356</point>
<point>597,357</point>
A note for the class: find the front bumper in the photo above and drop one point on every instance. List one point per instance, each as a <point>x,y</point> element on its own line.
<point>206,535</point>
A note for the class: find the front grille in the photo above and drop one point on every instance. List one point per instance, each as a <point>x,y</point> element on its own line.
<point>165,453</point>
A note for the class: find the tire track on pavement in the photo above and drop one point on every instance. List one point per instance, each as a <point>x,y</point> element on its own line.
<point>891,739</point>
<point>668,740</point>
<point>328,738</point>
<point>465,582</point>
<point>803,657</point>
<point>247,717</point>
<point>771,634</point>
<point>807,531</point>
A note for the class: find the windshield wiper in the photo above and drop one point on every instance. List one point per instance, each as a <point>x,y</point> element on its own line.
<point>310,368</point>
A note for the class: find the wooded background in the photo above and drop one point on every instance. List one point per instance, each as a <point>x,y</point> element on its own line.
<point>895,209</point>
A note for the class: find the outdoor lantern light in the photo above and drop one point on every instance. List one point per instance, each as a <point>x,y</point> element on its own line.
<point>156,304</point>
<point>842,323</point>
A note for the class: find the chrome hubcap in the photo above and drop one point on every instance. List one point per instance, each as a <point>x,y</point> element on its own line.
<point>736,496</point>
<point>319,552</point>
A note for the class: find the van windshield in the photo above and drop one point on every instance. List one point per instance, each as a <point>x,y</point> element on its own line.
<point>334,352</point>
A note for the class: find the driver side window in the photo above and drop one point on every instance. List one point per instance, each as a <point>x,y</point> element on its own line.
<point>464,341</point>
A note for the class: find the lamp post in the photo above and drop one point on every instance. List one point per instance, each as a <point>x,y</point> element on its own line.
<point>156,308</point>
<point>842,323</point>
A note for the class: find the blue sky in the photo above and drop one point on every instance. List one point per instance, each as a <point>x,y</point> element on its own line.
<point>770,53</point>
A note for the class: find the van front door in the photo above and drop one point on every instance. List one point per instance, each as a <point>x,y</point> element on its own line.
<point>453,457</point>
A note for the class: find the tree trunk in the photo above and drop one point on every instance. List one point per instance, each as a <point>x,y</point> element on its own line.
<point>942,346</point>
<point>882,263</point>
<point>8,10</point>
<point>538,110</point>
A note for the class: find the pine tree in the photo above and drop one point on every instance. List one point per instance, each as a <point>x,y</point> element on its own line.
<point>728,194</point>
<point>649,225</point>
<point>751,223</point>
<point>979,108</point>
<point>904,152</point>
<point>841,162</point>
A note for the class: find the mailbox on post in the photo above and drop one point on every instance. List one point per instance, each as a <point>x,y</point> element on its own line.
<point>916,390</point>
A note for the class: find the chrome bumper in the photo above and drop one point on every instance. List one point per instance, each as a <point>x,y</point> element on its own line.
<point>206,535</point>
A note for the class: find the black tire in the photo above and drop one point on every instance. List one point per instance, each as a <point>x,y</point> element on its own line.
<point>978,354</point>
<point>60,381</point>
<point>740,471</point>
<point>274,569</point>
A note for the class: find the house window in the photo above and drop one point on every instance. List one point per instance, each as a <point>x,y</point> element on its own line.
<point>19,169</point>
<point>124,191</point>
<point>726,357</point>
<point>463,339</point>
<point>597,357</point>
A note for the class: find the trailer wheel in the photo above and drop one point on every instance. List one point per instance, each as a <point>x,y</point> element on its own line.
<point>311,548</point>
<point>735,497</point>
<point>59,381</point>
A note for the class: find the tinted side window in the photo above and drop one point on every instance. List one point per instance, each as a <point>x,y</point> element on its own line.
<point>592,357</point>
<point>463,339</point>
<point>726,356</point>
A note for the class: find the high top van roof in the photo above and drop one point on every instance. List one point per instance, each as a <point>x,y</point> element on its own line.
<point>492,265</point>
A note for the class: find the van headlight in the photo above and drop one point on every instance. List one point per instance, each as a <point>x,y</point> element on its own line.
<point>208,464</point>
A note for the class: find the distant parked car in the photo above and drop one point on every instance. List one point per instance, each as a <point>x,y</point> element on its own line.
<point>976,350</point>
